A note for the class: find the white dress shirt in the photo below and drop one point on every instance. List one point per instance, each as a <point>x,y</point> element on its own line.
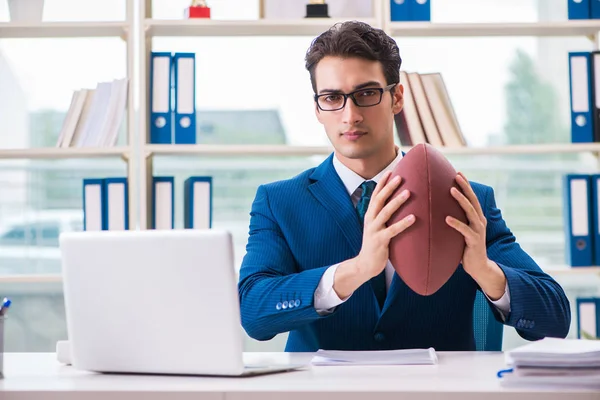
<point>325,298</point>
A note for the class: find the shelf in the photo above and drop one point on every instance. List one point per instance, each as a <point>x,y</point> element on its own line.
<point>287,150</point>
<point>6,279</point>
<point>428,29</point>
<point>14,30</point>
<point>549,148</point>
<point>265,27</point>
<point>64,153</point>
<point>231,150</point>
<point>573,271</point>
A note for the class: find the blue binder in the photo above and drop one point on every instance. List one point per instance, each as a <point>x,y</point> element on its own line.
<point>399,10</point>
<point>594,9</point>
<point>185,98</point>
<point>198,194</point>
<point>116,208</point>
<point>163,202</point>
<point>578,220</point>
<point>595,204</point>
<point>588,317</point>
<point>580,90</point>
<point>420,10</point>
<point>94,206</point>
<point>160,110</point>
<point>579,9</point>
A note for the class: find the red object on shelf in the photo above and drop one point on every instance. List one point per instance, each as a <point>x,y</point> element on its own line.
<point>197,12</point>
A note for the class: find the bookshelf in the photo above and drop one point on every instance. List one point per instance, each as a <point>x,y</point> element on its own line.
<point>139,28</point>
<point>87,29</point>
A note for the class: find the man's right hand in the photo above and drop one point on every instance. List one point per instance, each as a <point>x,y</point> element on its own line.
<point>374,253</point>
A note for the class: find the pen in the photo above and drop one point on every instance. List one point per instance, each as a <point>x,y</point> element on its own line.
<point>504,372</point>
<point>4,307</point>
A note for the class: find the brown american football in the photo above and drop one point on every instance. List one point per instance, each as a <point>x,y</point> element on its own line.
<point>428,252</point>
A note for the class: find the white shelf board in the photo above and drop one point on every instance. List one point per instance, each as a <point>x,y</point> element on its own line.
<point>13,30</point>
<point>64,153</point>
<point>277,150</point>
<point>549,148</point>
<point>264,27</point>
<point>429,29</point>
<point>573,271</point>
<point>54,278</point>
<point>232,150</point>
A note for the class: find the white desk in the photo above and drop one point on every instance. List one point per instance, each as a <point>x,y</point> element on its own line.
<point>467,376</point>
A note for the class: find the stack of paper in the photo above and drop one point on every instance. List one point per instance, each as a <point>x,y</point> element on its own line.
<point>378,357</point>
<point>554,362</point>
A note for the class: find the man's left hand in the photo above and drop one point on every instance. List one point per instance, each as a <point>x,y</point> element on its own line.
<point>475,261</point>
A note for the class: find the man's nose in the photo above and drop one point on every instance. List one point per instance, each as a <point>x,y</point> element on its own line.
<point>351,113</point>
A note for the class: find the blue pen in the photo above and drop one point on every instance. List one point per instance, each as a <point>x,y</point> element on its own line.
<point>504,372</point>
<point>5,305</point>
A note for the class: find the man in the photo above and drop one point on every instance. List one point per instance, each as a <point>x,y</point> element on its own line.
<point>314,257</point>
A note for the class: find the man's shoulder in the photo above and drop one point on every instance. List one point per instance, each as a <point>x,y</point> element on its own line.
<point>299,181</point>
<point>481,188</point>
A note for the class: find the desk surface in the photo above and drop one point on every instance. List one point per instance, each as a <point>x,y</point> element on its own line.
<point>461,375</point>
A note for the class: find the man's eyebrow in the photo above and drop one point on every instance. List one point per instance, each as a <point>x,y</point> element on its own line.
<point>357,87</point>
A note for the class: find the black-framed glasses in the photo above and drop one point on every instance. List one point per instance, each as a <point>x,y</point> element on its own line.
<point>367,97</point>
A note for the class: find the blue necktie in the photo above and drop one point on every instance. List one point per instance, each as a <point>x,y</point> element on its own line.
<point>377,282</point>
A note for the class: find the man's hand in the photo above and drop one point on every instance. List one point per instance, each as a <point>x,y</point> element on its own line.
<point>374,252</point>
<point>475,261</point>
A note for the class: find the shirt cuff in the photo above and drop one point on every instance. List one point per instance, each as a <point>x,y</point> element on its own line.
<point>503,303</point>
<point>325,298</point>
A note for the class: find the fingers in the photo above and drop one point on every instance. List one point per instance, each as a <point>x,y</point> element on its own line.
<point>386,213</point>
<point>384,179</point>
<point>465,230</point>
<point>469,193</point>
<point>400,226</point>
<point>380,196</point>
<point>466,205</point>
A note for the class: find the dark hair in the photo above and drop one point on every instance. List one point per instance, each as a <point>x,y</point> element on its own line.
<point>355,39</point>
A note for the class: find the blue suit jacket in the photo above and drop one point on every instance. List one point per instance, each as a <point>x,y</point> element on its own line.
<point>301,226</point>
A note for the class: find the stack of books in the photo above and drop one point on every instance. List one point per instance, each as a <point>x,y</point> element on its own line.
<point>95,115</point>
<point>552,362</point>
<point>427,115</point>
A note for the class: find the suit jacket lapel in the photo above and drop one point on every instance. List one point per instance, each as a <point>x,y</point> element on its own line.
<point>329,190</point>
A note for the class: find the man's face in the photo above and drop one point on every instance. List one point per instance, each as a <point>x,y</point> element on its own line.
<point>357,132</point>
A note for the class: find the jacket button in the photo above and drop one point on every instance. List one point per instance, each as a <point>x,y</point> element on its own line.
<point>285,304</point>
<point>379,337</point>
<point>297,303</point>
<point>278,306</point>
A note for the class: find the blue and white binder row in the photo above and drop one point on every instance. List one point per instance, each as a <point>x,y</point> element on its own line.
<point>588,317</point>
<point>172,98</point>
<point>410,10</point>
<point>105,204</point>
<point>585,125</point>
<point>197,198</point>
<point>582,222</point>
<point>583,9</point>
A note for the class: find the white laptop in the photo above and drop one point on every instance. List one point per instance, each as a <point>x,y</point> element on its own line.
<point>154,301</point>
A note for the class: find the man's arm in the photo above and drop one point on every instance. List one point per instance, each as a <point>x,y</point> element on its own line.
<point>538,305</point>
<point>274,296</point>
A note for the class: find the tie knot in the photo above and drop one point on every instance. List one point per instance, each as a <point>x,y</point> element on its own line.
<point>367,188</point>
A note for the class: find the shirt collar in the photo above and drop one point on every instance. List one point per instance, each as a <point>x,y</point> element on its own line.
<point>352,180</point>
